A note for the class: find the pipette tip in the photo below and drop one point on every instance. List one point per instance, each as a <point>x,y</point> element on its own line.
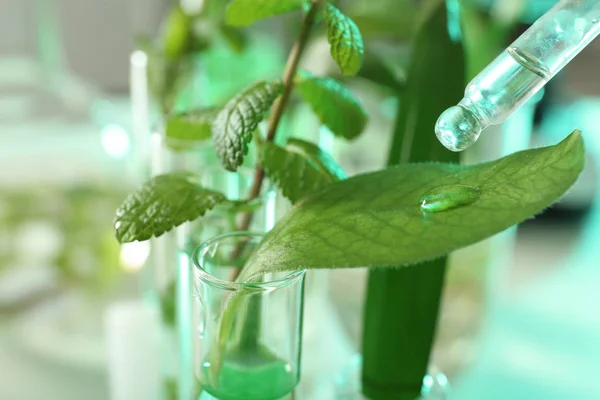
<point>457,128</point>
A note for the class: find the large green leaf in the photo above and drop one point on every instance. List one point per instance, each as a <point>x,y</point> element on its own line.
<point>245,12</point>
<point>346,42</point>
<point>235,123</point>
<point>334,104</point>
<point>375,219</point>
<point>299,168</point>
<point>191,126</point>
<point>162,203</point>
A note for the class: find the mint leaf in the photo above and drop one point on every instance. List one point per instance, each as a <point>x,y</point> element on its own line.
<point>375,219</point>
<point>298,169</point>
<point>346,42</point>
<point>334,104</point>
<point>162,203</point>
<point>319,158</point>
<point>245,12</point>
<point>193,125</point>
<point>176,33</point>
<point>235,123</point>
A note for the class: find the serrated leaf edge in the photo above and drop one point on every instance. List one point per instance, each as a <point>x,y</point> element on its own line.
<point>342,33</point>
<point>231,152</point>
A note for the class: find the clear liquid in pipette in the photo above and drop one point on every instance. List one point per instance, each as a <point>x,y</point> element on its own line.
<point>519,73</point>
<point>491,97</point>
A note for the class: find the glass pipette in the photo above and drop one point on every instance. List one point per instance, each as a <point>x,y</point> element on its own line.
<point>520,71</point>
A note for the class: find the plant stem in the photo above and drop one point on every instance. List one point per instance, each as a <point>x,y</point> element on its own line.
<point>291,67</point>
<point>278,108</point>
<point>412,296</point>
<point>250,326</point>
<point>402,305</point>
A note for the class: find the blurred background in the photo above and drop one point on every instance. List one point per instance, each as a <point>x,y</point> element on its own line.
<point>519,318</point>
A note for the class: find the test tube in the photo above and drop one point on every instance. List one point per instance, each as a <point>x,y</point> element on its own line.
<point>520,71</point>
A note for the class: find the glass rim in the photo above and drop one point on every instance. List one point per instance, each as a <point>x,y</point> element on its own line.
<point>207,277</point>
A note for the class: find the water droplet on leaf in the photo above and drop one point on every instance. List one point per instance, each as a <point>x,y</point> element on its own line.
<point>448,197</point>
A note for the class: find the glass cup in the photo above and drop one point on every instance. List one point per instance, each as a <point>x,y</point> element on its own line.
<point>168,279</point>
<point>246,335</point>
<point>348,383</point>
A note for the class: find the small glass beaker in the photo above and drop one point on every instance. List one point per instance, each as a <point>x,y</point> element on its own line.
<point>246,335</point>
<point>348,384</point>
<point>167,280</point>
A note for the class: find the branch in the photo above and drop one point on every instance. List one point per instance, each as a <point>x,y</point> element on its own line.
<point>279,106</point>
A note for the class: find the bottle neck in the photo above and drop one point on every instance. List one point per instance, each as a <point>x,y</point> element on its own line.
<point>483,118</point>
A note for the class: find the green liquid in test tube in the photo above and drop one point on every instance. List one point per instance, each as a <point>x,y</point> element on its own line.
<point>520,71</point>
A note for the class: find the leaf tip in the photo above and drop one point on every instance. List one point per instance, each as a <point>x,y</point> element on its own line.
<point>574,137</point>
<point>574,145</point>
<point>120,232</point>
<point>345,39</point>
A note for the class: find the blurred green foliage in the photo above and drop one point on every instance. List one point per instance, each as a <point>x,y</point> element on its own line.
<point>79,218</point>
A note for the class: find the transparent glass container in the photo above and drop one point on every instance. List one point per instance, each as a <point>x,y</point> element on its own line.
<point>246,336</point>
<point>222,219</point>
<point>328,347</point>
<point>167,280</point>
<point>348,383</point>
